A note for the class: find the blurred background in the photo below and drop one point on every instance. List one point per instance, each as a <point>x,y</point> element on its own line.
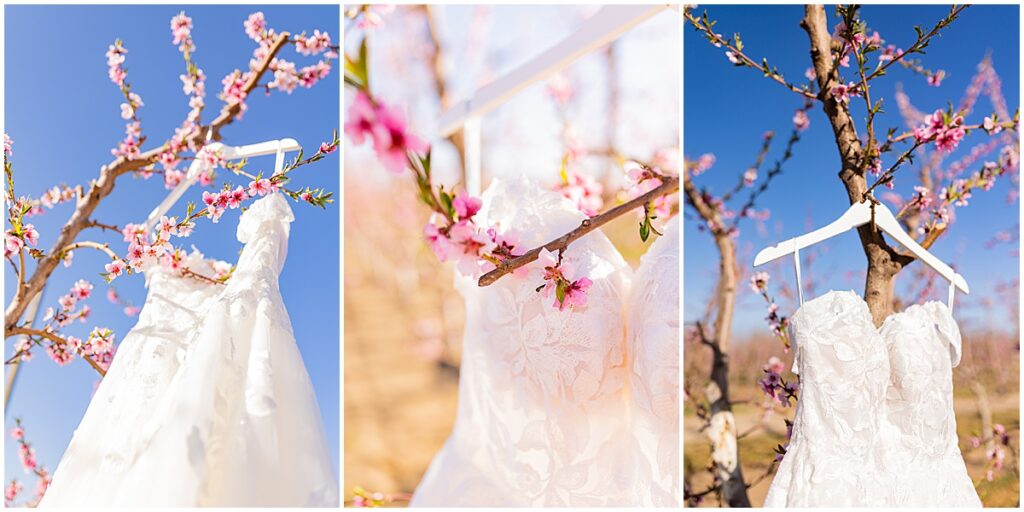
<point>61,110</point>
<point>728,110</point>
<point>403,320</point>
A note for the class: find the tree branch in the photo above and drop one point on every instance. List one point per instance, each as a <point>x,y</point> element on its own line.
<point>14,331</point>
<point>669,184</point>
<point>104,185</point>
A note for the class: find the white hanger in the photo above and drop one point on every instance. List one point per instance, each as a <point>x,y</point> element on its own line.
<point>857,215</point>
<point>272,147</point>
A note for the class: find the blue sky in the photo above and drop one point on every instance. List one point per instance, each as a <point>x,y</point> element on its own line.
<point>62,112</point>
<point>727,109</point>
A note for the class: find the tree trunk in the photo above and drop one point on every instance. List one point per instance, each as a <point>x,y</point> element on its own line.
<point>723,431</point>
<point>883,261</point>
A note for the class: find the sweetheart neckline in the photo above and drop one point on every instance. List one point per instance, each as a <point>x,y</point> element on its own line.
<point>912,307</point>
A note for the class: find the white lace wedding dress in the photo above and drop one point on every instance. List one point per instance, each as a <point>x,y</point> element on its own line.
<point>544,410</point>
<point>207,401</point>
<point>874,423</point>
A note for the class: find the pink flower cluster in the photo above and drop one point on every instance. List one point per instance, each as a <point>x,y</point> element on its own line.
<point>144,250</point>
<point>800,120</point>
<point>842,93</point>
<point>773,385</point>
<point>181,30</point>
<point>385,127</point>
<point>8,143</point>
<point>703,163</point>
<point>462,240</point>
<point>15,240</point>
<point>584,192</point>
<point>759,282</point>
<point>567,292</point>
<point>29,463</point>
<point>115,61</point>
<point>373,15</point>
<point>946,129</point>
<point>316,44</point>
<point>641,179</point>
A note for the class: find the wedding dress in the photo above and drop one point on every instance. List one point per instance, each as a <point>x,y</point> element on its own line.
<point>207,401</point>
<point>874,423</point>
<point>544,405</point>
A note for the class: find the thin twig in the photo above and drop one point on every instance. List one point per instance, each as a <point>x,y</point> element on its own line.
<point>14,331</point>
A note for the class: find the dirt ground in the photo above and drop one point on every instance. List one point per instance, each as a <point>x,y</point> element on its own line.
<point>756,450</point>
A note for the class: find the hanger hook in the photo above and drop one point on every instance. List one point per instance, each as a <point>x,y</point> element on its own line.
<point>279,158</point>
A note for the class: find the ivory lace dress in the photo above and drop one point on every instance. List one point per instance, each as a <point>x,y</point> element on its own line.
<point>874,424</point>
<point>207,401</point>
<point>544,410</point>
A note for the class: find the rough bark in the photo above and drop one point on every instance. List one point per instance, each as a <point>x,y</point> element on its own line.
<point>722,431</point>
<point>883,261</point>
<point>104,185</point>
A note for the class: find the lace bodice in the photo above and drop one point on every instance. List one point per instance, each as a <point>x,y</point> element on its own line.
<point>874,424</point>
<point>653,343</point>
<point>207,401</point>
<point>543,400</point>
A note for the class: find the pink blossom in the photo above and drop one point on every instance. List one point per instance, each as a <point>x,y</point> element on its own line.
<point>437,240</point>
<point>750,176</point>
<point>114,268</point>
<point>260,187</point>
<point>733,58</point>
<point>704,162</point>
<point>82,289</point>
<point>172,178</point>
<point>991,126</point>
<point>18,433</point>
<point>185,229</point>
<point>131,310</point>
<point>470,243</point>
<point>843,92</point>
<point>28,458</point>
<point>946,131</point>
<point>392,141</point>
<point>285,77</point>
<point>935,79</point>
<point>31,235</point>
<point>800,120</point>
<point>7,145</point>
<point>575,295</point>
<point>327,149</point>
<point>255,25</point>
<point>133,232</point>
<point>466,206</point>
<point>181,28</point>
<point>759,281</point>
<point>236,197</point>
<point>100,341</point>
<point>373,16</point>
<point>11,490</point>
<point>361,118</point>
<point>59,354</point>
<point>13,244</point>
<point>312,45</point>
<point>584,191</point>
